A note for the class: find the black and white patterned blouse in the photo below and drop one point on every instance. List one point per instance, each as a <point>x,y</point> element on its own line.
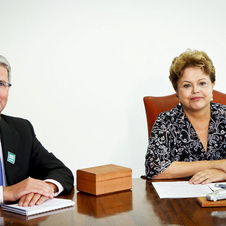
<point>173,138</point>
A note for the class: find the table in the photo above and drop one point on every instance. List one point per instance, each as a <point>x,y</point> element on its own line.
<point>139,206</point>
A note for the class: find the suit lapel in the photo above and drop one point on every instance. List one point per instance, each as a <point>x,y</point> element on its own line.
<point>10,142</point>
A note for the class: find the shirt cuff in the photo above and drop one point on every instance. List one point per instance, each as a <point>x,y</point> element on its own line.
<point>60,187</point>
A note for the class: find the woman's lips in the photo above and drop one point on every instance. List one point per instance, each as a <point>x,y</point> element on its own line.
<point>196,98</point>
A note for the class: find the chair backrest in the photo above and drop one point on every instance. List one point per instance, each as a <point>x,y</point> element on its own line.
<point>155,105</point>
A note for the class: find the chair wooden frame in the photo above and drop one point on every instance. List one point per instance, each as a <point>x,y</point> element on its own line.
<point>155,105</point>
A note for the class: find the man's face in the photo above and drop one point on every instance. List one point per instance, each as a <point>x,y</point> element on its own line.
<point>4,92</point>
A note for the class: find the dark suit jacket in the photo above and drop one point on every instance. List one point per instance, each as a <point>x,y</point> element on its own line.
<point>31,158</point>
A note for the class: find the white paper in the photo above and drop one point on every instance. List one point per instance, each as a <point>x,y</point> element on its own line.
<point>181,189</point>
<point>49,205</point>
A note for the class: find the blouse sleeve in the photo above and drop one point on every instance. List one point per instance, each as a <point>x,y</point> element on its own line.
<point>158,152</point>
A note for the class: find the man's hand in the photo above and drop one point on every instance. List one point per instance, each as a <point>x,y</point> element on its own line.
<point>208,176</point>
<point>32,199</point>
<point>28,186</point>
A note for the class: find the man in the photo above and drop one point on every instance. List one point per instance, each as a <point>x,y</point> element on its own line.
<point>30,173</point>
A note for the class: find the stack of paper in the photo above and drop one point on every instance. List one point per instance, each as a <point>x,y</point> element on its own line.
<point>49,205</point>
<point>182,189</point>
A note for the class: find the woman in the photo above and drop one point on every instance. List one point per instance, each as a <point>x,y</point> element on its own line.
<point>190,139</point>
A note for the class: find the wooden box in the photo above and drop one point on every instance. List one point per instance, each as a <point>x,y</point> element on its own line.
<point>104,179</point>
<point>206,203</point>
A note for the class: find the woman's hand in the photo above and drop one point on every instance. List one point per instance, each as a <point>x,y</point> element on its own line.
<point>220,164</point>
<point>207,176</point>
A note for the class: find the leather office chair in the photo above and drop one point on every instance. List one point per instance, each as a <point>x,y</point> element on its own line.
<point>155,105</point>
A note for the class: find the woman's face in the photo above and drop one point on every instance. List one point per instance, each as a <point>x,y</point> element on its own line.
<point>195,89</point>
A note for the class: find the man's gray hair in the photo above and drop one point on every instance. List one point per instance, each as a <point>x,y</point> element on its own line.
<point>5,63</point>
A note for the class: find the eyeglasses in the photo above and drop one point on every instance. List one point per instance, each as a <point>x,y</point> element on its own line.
<point>4,85</point>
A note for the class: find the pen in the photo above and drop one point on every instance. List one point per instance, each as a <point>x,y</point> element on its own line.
<point>221,186</point>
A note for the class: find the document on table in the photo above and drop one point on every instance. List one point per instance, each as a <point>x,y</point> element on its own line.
<point>49,205</point>
<point>182,189</point>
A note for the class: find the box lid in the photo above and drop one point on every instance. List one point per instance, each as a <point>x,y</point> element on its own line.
<point>105,172</point>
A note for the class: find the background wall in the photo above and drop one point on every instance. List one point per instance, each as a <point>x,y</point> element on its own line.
<point>80,69</point>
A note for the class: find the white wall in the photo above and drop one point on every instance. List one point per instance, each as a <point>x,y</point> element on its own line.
<point>81,68</point>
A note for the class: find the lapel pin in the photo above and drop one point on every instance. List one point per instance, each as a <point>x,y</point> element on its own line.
<point>11,157</point>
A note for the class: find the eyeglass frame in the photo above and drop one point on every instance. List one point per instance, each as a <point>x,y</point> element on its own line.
<point>5,85</point>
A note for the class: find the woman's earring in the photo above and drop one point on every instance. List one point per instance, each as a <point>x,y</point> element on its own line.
<point>179,100</point>
<point>212,98</point>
